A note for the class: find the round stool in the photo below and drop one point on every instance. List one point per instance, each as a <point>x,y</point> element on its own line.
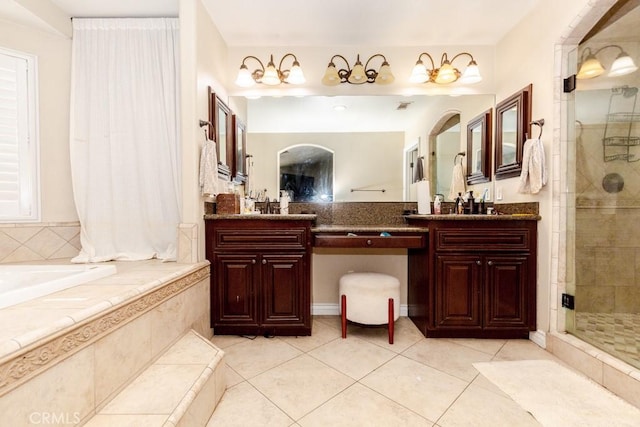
<point>370,299</point>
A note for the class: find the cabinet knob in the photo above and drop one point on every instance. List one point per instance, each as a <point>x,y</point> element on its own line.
<point>237,298</point>
<point>253,261</point>
<point>478,262</point>
<point>264,261</point>
<point>490,262</point>
<point>369,242</point>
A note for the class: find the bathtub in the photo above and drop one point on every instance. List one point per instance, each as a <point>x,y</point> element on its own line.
<point>20,283</point>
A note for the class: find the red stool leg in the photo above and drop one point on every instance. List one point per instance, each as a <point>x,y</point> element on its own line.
<point>391,317</point>
<point>344,315</point>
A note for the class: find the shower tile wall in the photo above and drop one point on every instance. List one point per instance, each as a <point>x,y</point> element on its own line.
<point>36,242</point>
<point>607,231</point>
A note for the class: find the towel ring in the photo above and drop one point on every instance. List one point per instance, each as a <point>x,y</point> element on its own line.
<point>461,155</point>
<point>538,123</point>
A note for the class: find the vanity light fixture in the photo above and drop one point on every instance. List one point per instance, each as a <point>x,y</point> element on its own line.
<point>359,74</point>
<point>446,73</point>
<point>270,75</point>
<point>591,67</point>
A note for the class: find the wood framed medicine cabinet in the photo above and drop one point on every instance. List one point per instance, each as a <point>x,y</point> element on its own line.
<point>479,148</point>
<point>513,125</point>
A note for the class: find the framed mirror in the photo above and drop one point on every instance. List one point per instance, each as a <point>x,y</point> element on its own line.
<point>513,124</point>
<point>222,135</point>
<point>239,145</point>
<point>479,148</point>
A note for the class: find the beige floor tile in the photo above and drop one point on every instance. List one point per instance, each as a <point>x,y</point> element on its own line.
<point>359,406</point>
<point>405,335</point>
<point>232,377</point>
<point>485,383</point>
<point>322,334</point>
<point>523,350</point>
<point>256,356</point>
<point>449,357</point>
<point>333,321</point>
<point>243,406</point>
<point>352,356</point>
<point>484,345</point>
<point>300,385</point>
<point>479,407</point>
<point>158,390</point>
<point>424,390</point>
<point>224,341</point>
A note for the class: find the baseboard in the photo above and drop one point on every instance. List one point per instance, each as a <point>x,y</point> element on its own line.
<point>539,337</point>
<point>334,310</point>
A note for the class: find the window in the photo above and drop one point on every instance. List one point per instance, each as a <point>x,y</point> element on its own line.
<point>19,186</point>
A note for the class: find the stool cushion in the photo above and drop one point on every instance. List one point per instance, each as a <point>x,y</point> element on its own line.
<point>368,297</point>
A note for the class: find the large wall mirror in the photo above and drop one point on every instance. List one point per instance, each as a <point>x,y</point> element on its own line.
<point>513,124</point>
<point>369,136</point>
<point>479,148</point>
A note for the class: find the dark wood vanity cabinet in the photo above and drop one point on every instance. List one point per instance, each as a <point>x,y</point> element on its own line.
<point>480,280</point>
<point>261,276</point>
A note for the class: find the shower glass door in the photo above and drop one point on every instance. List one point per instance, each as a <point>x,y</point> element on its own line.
<point>605,276</point>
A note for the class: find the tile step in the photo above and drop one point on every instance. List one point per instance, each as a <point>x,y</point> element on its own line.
<point>181,388</point>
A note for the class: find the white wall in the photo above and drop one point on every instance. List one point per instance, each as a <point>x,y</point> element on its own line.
<point>53,53</point>
<point>527,55</point>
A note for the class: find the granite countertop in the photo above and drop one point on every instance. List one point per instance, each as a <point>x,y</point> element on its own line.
<point>272,217</point>
<point>334,228</point>
<point>476,217</point>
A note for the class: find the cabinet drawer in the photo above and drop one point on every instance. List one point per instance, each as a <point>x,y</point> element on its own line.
<point>371,241</point>
<point>486,240</point>
<point>261,239</point>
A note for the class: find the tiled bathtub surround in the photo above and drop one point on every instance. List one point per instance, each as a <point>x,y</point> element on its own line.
<point>72,351</point>
<point>35,242</point>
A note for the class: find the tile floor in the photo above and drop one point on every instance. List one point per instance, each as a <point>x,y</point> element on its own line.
<point>324,380</point>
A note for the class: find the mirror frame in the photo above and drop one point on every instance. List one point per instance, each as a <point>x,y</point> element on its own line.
<point>218,108</point>
<point>521,100</point>
<point>483,121</point>
<point>239,144</point>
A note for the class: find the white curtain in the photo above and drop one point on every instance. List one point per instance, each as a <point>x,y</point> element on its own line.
<point>124,137</point>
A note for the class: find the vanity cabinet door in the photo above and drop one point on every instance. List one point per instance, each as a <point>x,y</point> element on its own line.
<point>234,292</point>
<point>505,294</point>
<point>284,290</point>
<point>457,292</point>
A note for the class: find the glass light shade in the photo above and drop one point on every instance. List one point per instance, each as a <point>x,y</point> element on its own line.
<point>419,73</point>
<point>471,74</point>
<point>244,78</point>
<point>385,76</point>
<point>296,76</point>
<point>358,75</point>
<point>270,76</point>
<point>590,68</point>
<point>622,65</point>
<point>331,77</point>
<point>446,74</point>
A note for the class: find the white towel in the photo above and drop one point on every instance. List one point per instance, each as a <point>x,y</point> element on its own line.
<point>534,173</point>
<point>457,182</point>
<point>208,169</point>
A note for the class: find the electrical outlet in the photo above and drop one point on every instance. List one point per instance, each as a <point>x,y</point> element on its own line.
<point>568,301</point>
<point>487,193</point>
<point>498,193</point>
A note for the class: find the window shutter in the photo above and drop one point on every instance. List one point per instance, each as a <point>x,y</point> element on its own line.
<point>18,153</point>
